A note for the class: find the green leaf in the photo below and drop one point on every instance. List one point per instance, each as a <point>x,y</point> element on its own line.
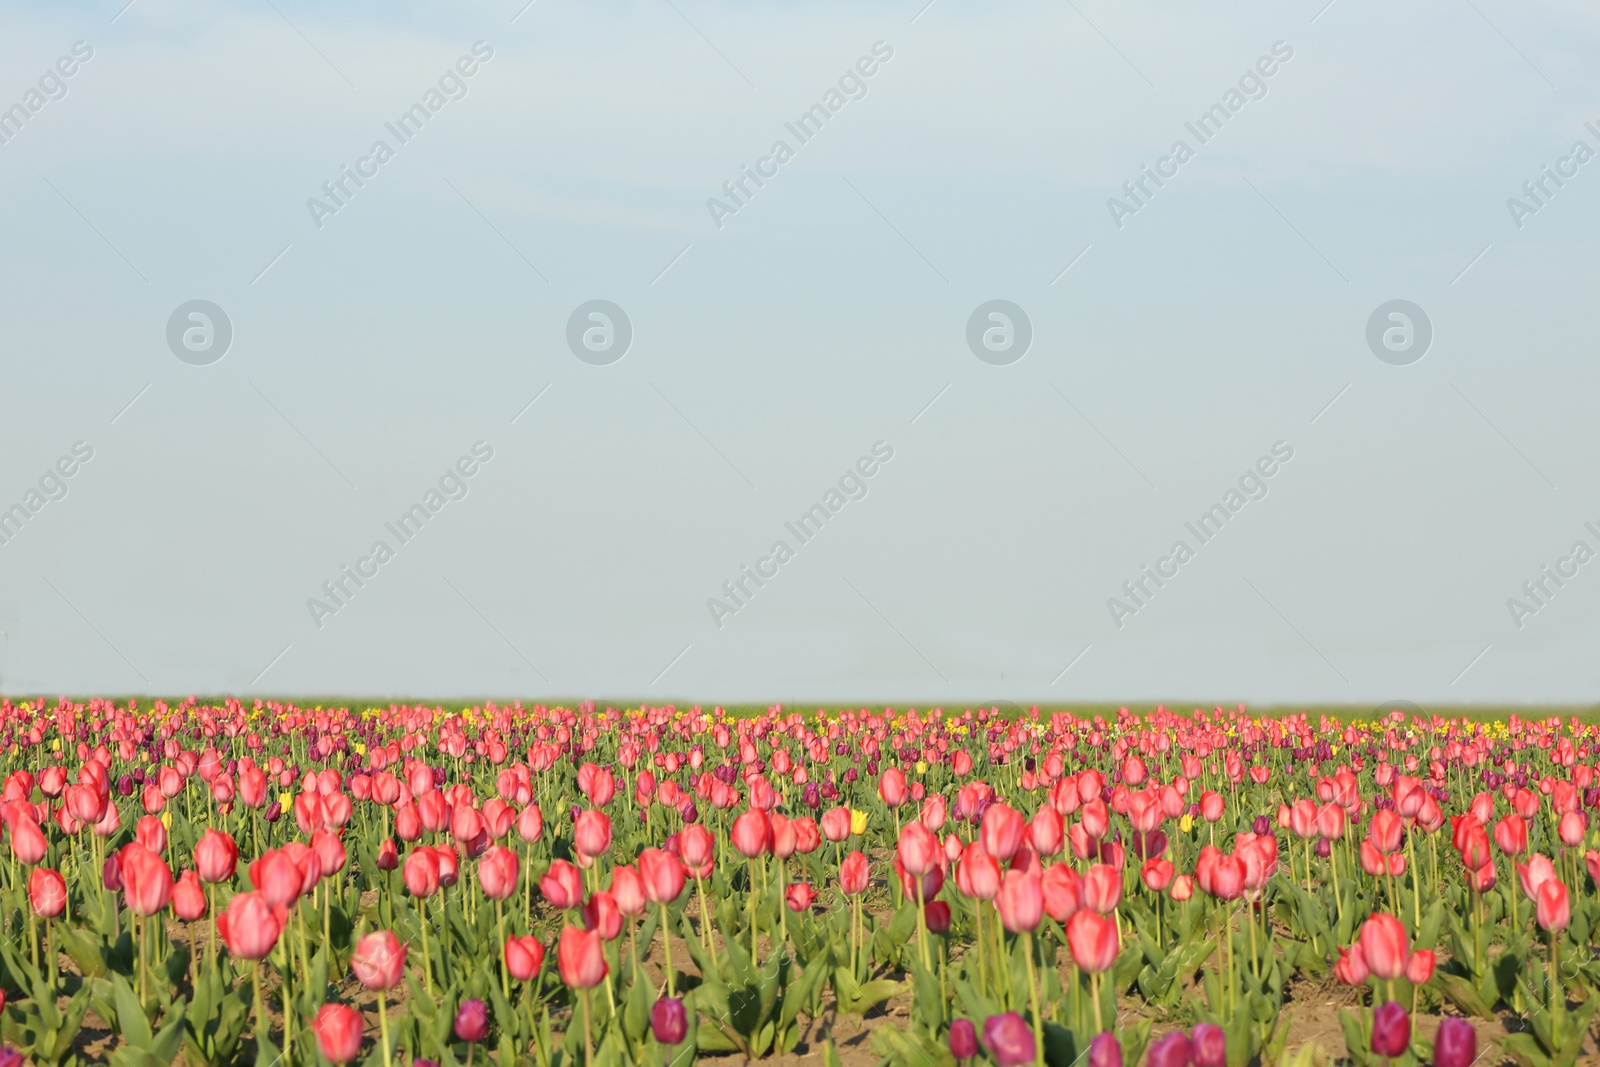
<point>83,951</point>
<point>636,1012</point>
<point>1525,1050</point>
<point>799,994</point>
<point>131,1022</point>
<point>1357,1035</point>
<point>1463,994</point>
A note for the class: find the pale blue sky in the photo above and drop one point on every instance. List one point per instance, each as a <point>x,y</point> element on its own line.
<point>769,354</point>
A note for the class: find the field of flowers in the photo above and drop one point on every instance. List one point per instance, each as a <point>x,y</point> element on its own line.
<point>255,883</point>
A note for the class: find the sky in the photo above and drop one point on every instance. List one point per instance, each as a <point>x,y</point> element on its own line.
<point>580,310</point>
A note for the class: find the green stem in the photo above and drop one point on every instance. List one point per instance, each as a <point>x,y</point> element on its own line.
<point>666,947</point>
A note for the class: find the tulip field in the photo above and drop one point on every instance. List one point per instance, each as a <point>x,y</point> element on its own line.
<point>262,882</point>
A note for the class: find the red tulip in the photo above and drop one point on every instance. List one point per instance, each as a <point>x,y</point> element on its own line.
<point>1419,968</point>
<point>627,889</point>
<point>752,834</point>
<point>697,849</point>
<point>250,926</point>
<point>1001,832</point>
<point>189,897</point>
<point>854,874</point>
<point>1211,805</point>
<point>1063,891</point>
<point>836,824</point>
<point>1481,880</point>
<point>662,874</point>
<point>892,787</point>
<point>215,856</point>
<point>1330,822</point>
<point>1384,945</point>
<point>1511,835</point>
<point>407,822</point>
<point>601,915</point>
<point>421,872</point>
<point>379,960</point>
<point>87,804</point>
<point>1351,968</point>
<point>47,892</point>
<point>1227,877</point>
<point>497,873</point>
<point>591,833</point>
<point>978,873</point>
<point>338,1031</point>
<point>524,957</point>
<point>277,877</point>
<point>1385,831</point>
<point>562,885</point>
<point>918,849</point>
<point>1157,874</point>
<point>1021,901</point>
<point>1102,888</point>
<point>936,914</point>
<point>1046,832</point>
<point>28,842</point>
<point>146,879</point>
<point>530,823</point>
<point>1538,870</point>
<point>1552,905</point>
<point>799,896</point>
<point>1093,940</point>
<point>330,851</point>
<point>1571,829</point>
<point>580,958</point>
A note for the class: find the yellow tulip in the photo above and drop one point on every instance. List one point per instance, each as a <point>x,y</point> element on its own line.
<point>1186,823</point>
<point>166,818</point>
<point>858,822</point>
<point>922,767</point>
<point>285,801</point>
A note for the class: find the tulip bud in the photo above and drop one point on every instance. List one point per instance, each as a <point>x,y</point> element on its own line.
<point>963,1039</point>
<point>1009,1038</point>
<point>669,1021</point>
<point>338,1031</point>
<point>1105,1050</point>
<point>1210,1045</point>
<point>472,1021</point>
<point>1391,1029</point>
<point>1173,1050</point>
<point>1456,1044</point>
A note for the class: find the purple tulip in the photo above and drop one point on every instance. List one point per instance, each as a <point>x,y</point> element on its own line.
<point>472,1021</point>
<point>963,1039</point>
<point>1262,826</point>
<point>1174,1050</point>
<point>1391,1029</point>
<point>669,1020</point>
<point>1210,1045</point>
<point>1105,1050</point>
<point>10,1057</point>
<point>1456,1045</point>
<point>1009,1039</point>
